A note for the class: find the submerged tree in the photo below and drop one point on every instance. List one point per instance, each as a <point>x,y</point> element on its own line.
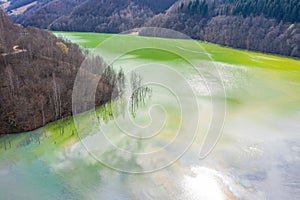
<point>139,93</point>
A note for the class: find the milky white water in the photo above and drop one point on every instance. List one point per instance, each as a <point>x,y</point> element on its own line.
<point>257,155</point>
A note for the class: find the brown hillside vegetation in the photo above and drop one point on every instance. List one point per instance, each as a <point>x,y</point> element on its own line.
<point>266,26</point>
<point>37,73</point>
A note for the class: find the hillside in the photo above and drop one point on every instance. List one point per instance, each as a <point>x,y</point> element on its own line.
<point>37,72</point>
<point>260,25</point>
<point>86,15</point>
<point>270,26</point>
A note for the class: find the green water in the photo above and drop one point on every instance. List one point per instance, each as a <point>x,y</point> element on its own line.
<point>256,157</point>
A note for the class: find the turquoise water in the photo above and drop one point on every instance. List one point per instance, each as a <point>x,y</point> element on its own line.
<point>163,152</point>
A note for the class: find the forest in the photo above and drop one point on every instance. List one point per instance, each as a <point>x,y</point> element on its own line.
<point>258,25</point>
<point>37,72</point>
<point>269,26</point>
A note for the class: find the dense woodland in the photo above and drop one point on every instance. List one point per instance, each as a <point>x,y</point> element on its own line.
<point>281,10</point>
<point>37,73</point>
<point>232,23</point>
<point>270,26</point>
<point>37,70</point>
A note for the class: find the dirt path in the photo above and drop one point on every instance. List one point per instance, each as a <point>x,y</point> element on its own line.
<point>16,49</point>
